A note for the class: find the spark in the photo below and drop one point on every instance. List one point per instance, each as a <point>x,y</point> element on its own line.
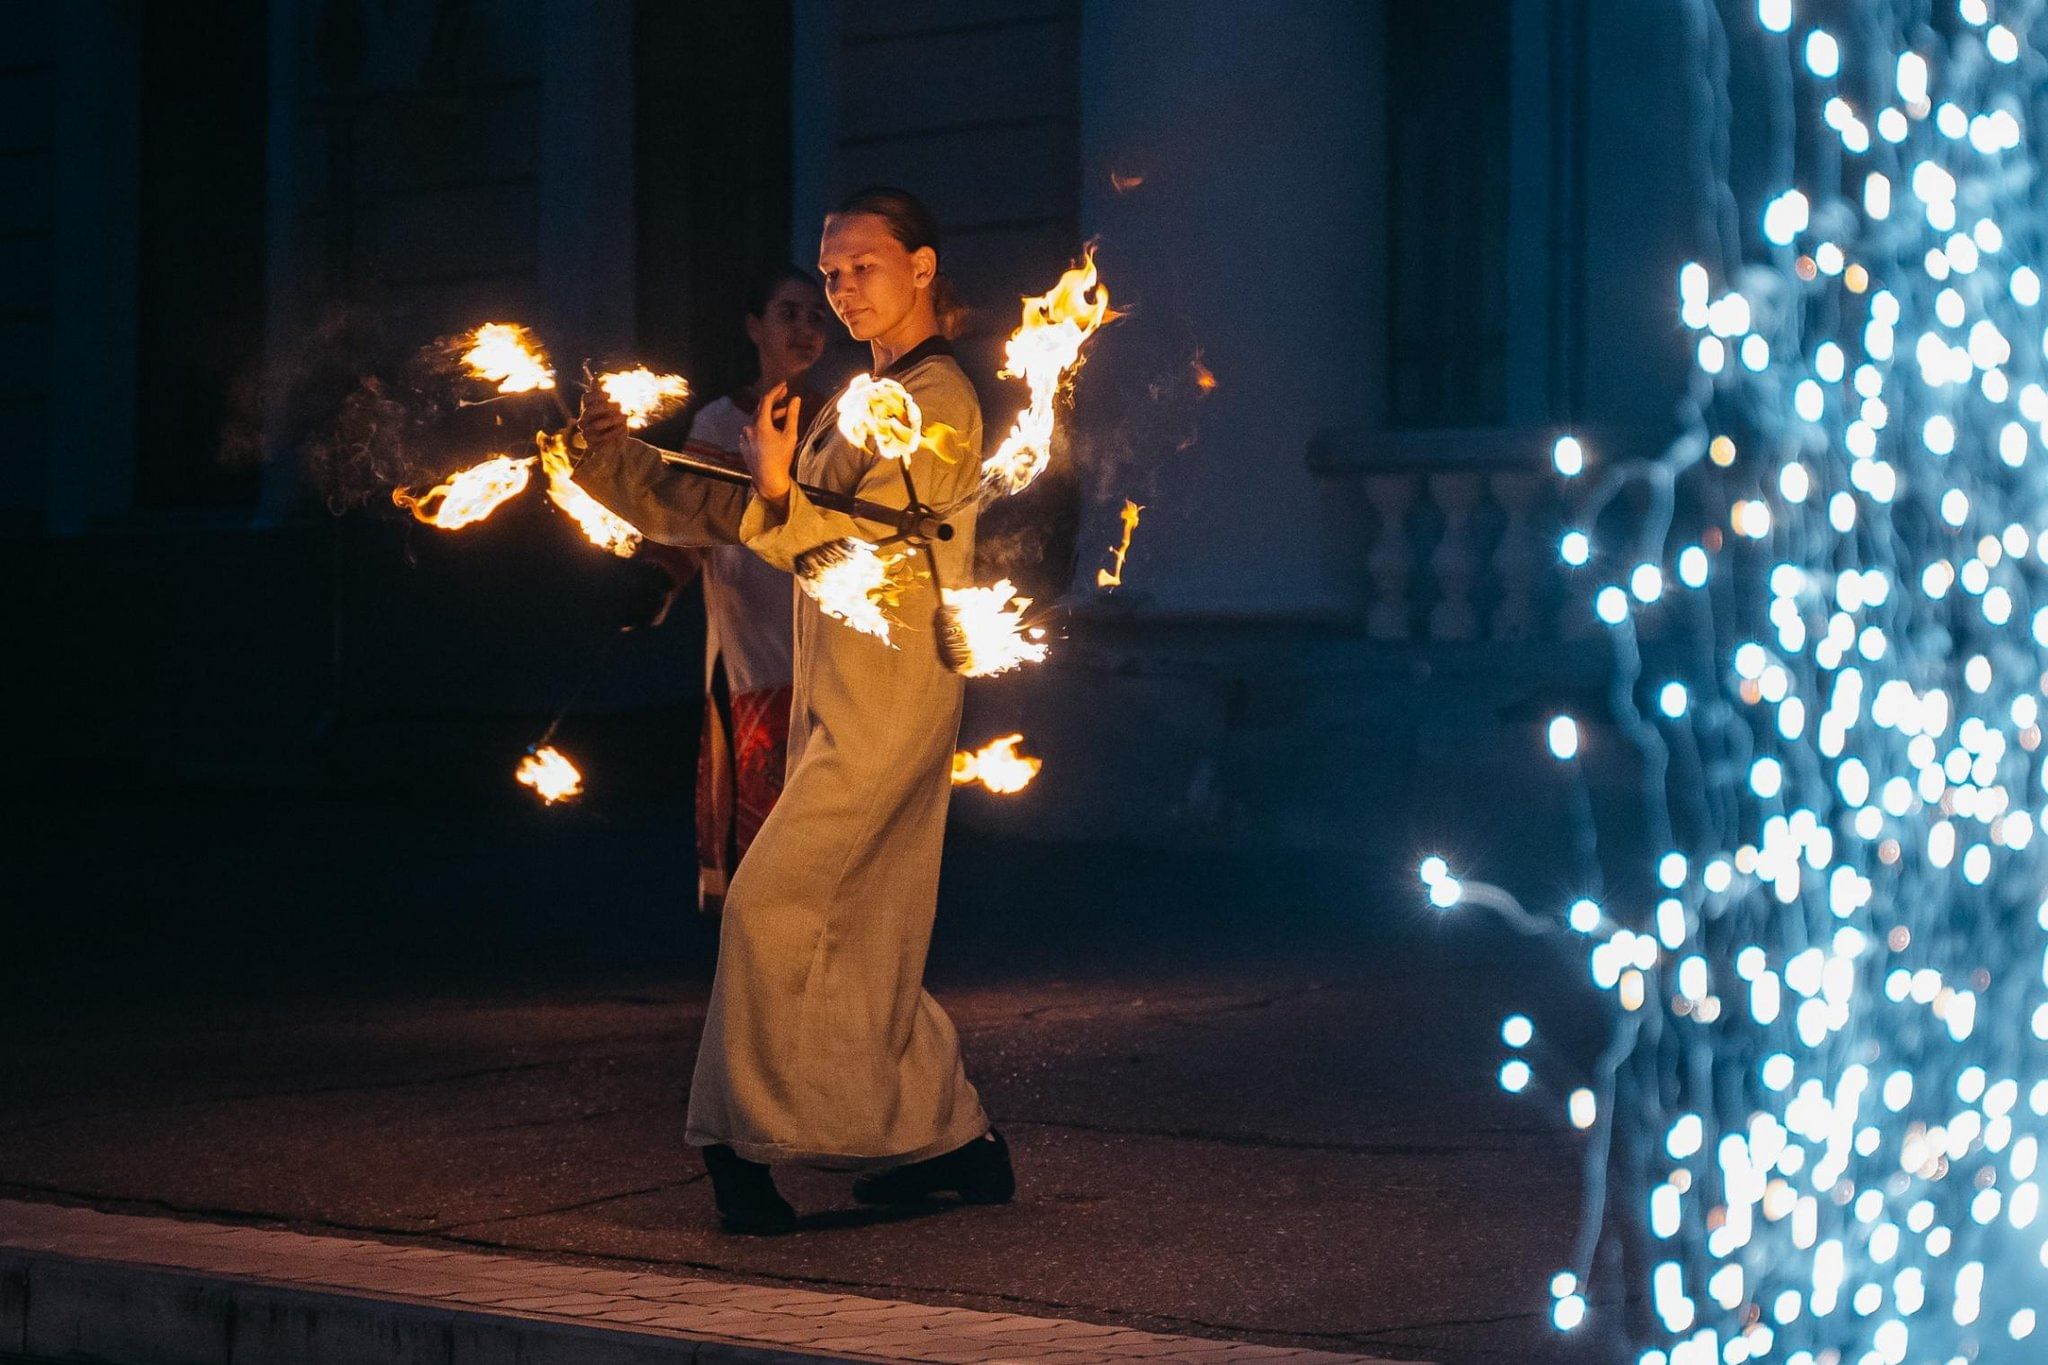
<point>1106,579</point>
<point>644,396</point>
<point>852,581</point>
<point>507,355</point>
<point>997,766</point>
<point>470,495</point>
<point>1044,352</point>
<point>987,630</point>
<point>600,525</point>
<point>548,771</point>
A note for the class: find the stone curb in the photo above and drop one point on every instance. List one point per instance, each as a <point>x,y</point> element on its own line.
<point>157,1291</point>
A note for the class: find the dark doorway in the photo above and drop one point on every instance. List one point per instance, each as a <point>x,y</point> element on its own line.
<point>712,167</point>
<point>205,93</point>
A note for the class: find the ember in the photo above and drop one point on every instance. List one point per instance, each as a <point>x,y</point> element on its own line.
<point>1114,578</point>
<point>997,766</point>
<point>600,525</point>
<point>880,415</point>
<point>850,581</point>
<point>506,354</point>
<point>1044,352</point>
<point>471,495</point>
<point>643,395</point>
<point>982,631</point>
<point>551,775</point>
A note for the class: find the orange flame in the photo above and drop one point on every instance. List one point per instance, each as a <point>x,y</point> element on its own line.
<point>1106,579</point>
<point>551,775</point>
<point>600,525</point>
<point>470,495</point>
<point>997,766</point>
<point>506,354</point>
<point>1044,352</point>
<point>1124,184</point>
<point>851,581</point>
<point>1205,378</point>
<point>643,395</point>
<point>991,625</point>
<point>880,415</point>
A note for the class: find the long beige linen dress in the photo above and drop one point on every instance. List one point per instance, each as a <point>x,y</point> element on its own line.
<point>821,1044</point>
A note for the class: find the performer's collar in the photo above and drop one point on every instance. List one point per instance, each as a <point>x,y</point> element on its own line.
<point>924,350</point>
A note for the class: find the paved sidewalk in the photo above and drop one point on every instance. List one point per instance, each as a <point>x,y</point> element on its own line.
<point>146,1290</point>
<point>1249,1102</point>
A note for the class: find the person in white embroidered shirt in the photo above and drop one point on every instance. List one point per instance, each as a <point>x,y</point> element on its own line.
<point>748,625</point>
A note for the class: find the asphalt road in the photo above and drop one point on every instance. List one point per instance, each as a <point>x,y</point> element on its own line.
<point>1249,1098</point>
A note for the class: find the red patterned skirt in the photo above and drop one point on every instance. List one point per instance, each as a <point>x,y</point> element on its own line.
<point>739,775</point>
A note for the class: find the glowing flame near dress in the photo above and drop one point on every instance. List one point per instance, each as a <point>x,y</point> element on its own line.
<point>990,623</point>
<point>600,525</point>
<point>551,775</point>
<point>850,581</point>
<point>880,415</point>
<point>1044,352</point>
<point>644,395</point>
<point>1106,579</point>
<point>471,495</point>
<point>997,766</point>
<point>506,354</point>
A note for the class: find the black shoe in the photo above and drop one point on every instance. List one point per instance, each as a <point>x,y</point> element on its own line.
<point>979,1173</point>
<point>747,1200</point>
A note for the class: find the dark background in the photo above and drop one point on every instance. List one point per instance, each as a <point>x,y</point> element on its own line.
<point>262,728</point>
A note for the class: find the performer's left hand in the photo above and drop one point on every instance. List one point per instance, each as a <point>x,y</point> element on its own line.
<point>770,444</point>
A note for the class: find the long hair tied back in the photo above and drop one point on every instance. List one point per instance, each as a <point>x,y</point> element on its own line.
<point>912,224</point>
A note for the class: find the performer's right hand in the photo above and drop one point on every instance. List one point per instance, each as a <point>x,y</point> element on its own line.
<point>602,424</point>
<point>769,444</point>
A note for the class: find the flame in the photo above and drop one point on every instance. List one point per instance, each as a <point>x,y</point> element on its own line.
<point>880,415</point>
<point>643,395</point>
<point>850,581</point>
<point>470,495</point>
<point>997,766</point>
<point>1114,578</point>
<point>551,775</point>
<point>1124,184</point>
<point>506,354</point>
<point>1205,378</point>
<point>1044,352</point>
<point>603,527</point>
<point>990,624</point>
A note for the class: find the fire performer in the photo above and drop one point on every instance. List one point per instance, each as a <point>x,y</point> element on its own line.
<point>747,638</point>
<point>821,1045</point>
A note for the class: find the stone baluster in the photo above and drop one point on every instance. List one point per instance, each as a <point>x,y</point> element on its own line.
<point>1456,564</point>
<point>1519,558</point>
<point>1390,562</point>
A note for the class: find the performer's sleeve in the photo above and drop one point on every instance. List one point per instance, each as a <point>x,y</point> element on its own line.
<point>779,537</point>
<point>663,502</point>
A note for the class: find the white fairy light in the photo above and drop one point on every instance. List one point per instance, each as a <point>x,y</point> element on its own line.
<point>1830,998</point>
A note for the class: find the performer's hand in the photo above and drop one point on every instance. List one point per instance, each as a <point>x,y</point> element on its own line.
<point>770,444</point>
<point>602,424</point>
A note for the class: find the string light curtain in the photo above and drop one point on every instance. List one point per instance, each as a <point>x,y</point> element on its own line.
<point>1818,1124</point>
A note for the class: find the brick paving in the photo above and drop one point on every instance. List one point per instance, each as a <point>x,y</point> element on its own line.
<point>139,1290</point>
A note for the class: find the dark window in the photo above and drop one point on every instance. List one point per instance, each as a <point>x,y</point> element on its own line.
<point>1447,213</point>
<point>205,93</point>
